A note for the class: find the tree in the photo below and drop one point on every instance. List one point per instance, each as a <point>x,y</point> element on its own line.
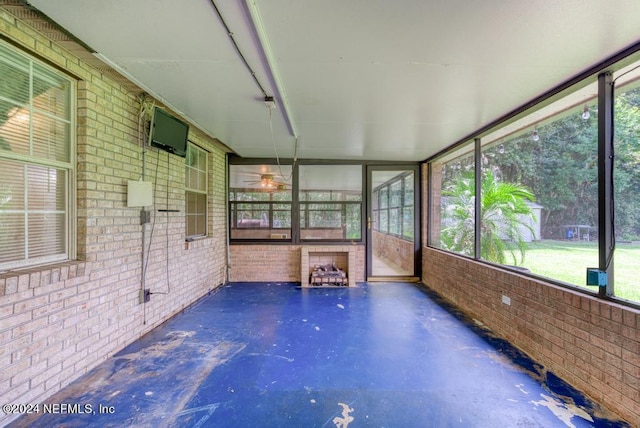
<point>627,165</point>
<point>560,168</point>
<point>504,213</point>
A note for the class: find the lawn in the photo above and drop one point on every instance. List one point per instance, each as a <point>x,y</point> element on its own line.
<point>567,261</point>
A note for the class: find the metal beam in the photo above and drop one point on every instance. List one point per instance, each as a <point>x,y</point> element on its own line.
<point>606,236</point>
<point>478,199</point>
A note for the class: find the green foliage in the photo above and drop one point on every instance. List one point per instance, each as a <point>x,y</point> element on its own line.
<point>504,212</point>
<point>627,164</point>
<point>459,213</point>
<point>561,168</point>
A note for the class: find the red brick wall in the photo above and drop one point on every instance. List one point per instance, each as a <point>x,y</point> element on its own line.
<point>591,343</point>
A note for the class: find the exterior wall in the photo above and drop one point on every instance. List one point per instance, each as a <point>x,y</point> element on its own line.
<point>60,321</point>
<point>397,251</point>
<point>269,263</point>
<point>591,343</point>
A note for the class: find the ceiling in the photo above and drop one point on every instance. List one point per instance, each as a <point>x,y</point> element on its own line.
<point>352,79</point>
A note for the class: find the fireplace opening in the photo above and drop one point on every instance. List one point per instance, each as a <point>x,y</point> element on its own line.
<point>328,274</point>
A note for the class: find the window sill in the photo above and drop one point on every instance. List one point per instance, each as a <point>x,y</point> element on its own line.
<point>39,276</point>
<point>196,242</point>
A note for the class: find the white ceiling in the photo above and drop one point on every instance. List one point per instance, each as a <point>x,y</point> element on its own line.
<point>362,79</point>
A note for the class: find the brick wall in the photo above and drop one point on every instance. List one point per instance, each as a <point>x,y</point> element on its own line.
<point>271,263</point>
<point>60,321</point>
<point>592,344</point>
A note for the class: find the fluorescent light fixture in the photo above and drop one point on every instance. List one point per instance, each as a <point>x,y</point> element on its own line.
<point>254,14</point>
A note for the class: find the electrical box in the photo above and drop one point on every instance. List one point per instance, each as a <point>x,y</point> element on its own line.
<point>145,295</point>
<point>596,277</point>
<point>139,193</point>
<point>145,216</point>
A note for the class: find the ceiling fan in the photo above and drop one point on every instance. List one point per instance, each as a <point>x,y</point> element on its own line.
<point>268,182</point>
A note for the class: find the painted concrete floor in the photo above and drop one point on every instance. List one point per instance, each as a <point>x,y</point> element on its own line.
<point>274,355</point>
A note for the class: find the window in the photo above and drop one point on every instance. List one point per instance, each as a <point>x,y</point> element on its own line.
<point>37,162</point>
<point>626,180</point>
<point>196,191</point>
<point>452,212</point>
<point>408,209</point>
<point>382,211</point>
<point>540,190</point>
<point>392,205</point>
<point>330,200</point>
<point>542,197</point>
<point>260,202</point>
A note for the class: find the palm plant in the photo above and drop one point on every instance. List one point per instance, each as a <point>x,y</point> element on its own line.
<point>504,212</point>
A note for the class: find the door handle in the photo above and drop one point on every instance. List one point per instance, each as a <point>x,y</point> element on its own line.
<point>369,223</point>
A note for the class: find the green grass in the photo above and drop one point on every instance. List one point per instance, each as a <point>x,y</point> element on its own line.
<point>567,261</point>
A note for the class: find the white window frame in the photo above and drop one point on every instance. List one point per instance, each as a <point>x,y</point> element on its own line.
<point>202,191</point>
<point>69,167</point>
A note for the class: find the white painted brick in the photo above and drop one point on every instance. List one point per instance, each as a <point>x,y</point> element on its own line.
<point>30,304</point>
<point>30,327</point>
<point>5,312</point>
<point>24,370</point>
